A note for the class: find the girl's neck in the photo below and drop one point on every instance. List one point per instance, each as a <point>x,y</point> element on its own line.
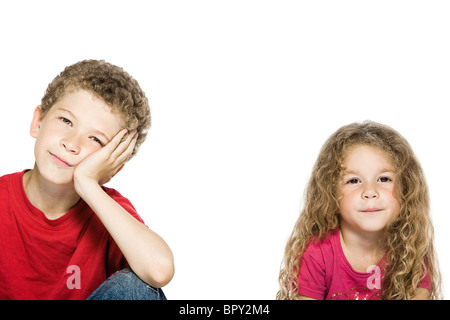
<point>361,250</point>
<point>53,200</point>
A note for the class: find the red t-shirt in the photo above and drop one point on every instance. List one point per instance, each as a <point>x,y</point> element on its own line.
<point>326,274</point>
<point>65,258</point>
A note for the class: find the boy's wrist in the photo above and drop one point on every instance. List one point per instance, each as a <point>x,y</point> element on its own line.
<point>84,186</point>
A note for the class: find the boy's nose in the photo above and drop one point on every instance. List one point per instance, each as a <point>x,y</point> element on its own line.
<point>71,145</point>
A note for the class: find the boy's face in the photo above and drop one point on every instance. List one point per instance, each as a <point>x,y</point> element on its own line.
<point>74,127</point>
<point>367,197</point>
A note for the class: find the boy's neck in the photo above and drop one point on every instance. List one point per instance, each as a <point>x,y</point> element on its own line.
<point>53,200</point>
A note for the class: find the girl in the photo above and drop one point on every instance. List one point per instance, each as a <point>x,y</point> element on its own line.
<point>365,231</point>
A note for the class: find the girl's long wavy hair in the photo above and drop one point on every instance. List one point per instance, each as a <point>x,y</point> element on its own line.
<point>408,240</point>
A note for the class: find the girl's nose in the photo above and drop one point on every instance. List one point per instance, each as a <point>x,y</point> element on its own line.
<point>370,193</point>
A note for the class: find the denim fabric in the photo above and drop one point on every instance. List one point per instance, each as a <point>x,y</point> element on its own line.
<point>126,285</point>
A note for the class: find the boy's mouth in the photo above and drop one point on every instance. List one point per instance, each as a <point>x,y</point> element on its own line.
<point>60,161</point>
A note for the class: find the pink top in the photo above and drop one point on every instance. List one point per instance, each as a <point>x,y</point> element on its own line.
<point>326,274</point>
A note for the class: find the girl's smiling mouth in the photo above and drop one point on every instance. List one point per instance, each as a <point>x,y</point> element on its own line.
<point>371,210</point>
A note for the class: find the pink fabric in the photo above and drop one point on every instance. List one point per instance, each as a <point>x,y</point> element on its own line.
<point>326,274</point>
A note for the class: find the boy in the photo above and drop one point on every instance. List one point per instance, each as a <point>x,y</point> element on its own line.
<point>62,234</point>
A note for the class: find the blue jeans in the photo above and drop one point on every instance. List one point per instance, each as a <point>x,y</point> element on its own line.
<point>126,285</point>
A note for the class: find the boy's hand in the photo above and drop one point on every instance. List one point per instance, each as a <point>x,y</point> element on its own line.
<point>103,164</point>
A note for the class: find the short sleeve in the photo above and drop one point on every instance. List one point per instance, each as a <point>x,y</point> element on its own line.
<point>124,203</point>
<point>311,276</point>
<point>425,282</point>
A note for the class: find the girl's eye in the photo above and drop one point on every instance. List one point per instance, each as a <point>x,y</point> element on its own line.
<point>353,181</point>
<point>384,179</point>
<point>97,140</point>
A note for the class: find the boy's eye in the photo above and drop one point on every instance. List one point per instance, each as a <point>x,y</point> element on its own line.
<point>97,140</point>
<point>353,181</point>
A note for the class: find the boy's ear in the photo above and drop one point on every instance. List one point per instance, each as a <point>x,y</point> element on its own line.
<point>36,122</point>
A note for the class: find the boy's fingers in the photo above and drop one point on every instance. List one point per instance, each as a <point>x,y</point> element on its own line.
<point>123,157</point>
<point>124,144</point>
<point>115,142</point>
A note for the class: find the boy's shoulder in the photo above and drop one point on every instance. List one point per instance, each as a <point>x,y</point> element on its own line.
<point>3,185</point>
<point>123,202</point>
<point>6,180</point>
<point>113,193</point>
<point>8,176</point>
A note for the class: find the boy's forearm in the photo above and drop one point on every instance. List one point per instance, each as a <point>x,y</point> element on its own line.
<point>146,252</point>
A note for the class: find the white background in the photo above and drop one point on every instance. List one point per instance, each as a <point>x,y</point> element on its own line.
<point>243,95</point>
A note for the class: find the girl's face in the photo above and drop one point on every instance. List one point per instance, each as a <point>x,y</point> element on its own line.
<point>367,198</point>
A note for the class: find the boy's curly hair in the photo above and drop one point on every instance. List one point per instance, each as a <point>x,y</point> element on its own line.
<point>110,83</point>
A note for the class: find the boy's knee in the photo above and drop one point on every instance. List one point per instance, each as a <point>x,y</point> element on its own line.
<point>126,285</point>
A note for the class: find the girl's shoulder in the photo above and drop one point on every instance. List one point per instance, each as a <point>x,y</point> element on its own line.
<point>325,248</point>
<point>328,239</point>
